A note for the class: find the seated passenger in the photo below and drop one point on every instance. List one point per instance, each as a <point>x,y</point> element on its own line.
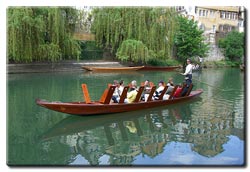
<point>147,89</point>
<point>132,94</point>
<point>147,86</point>
<point>118,91</point>
<point>177,92</point>
<point>185,86</point>
<point>170,82</point>
<point>133,85</point>
<point>170,85</point>
<point>159,90</point>
<point>121,86</point>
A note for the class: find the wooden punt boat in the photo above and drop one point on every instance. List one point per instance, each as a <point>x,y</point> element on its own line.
<point>103,106</point>
<point>111,69</point>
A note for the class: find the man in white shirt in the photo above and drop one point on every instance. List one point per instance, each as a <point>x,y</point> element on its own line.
<point>188,71</point>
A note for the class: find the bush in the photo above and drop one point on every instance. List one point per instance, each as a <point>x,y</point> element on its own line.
<point>233,45</point>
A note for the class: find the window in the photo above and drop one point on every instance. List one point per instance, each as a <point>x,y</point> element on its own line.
<point>241,23</point>
<point>228,15</point>
<point>214,28</point>
<point>211,13</point>
<point>179,8</point>
<point>234,16</point>
<point>202,27</point>
<point>221,28</point>
<point>222,14</point>
<point>203,12</point>
<point>189,9</point>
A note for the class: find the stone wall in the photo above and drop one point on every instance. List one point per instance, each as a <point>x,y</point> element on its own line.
<point>214,53</point>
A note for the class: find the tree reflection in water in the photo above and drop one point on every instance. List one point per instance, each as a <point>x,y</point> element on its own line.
<point>122,137</point>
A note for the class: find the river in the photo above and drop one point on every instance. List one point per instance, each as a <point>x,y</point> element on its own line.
<point>208,131</point>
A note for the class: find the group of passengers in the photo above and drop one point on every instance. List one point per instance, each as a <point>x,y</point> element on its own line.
<point>133,90</point>
<point>132,93</point>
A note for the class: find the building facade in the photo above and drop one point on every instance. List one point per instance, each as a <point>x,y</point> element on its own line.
<point>216,21</point>
<point>219,19</point>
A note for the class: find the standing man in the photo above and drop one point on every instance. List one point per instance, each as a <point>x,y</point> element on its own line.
<point>188,76</point>
<point>188,71</point>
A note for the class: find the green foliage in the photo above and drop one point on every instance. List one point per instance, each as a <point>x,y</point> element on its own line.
<point>189,40</point>
<point>90,50</point>
<point>133,50</point>
<point>154,27</point>
<point>49,51</point>
<point>233,45</point>
<point>168,62</point>
<point>41,34</point>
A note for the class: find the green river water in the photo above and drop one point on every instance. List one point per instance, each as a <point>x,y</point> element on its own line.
<point>209,131</point>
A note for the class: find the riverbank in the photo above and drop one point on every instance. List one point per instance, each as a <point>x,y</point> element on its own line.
<point>74,65</point>
<point>221,63</point>
<point>62,66</point>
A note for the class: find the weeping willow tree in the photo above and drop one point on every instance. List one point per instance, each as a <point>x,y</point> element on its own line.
<point>130,49</point>
<point>36,34</point>
<point>154,27</point>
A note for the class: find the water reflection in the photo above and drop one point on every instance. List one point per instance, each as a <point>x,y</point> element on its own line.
<point>122,137</point>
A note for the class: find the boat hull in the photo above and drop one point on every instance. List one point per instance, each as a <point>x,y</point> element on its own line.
<point>111,69</point>
<point>94,108</point>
